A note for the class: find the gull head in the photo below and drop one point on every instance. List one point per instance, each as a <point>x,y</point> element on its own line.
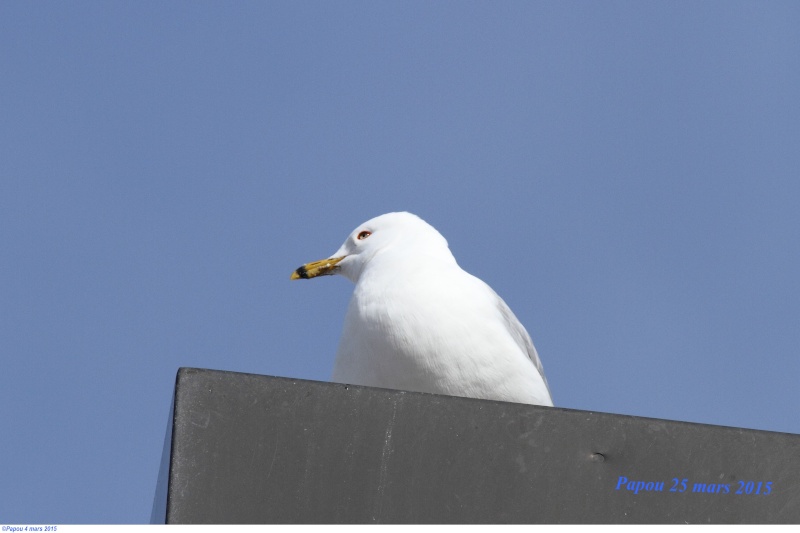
<point>399,238</point>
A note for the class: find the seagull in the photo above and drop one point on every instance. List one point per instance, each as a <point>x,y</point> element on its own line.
<point>418,322</point>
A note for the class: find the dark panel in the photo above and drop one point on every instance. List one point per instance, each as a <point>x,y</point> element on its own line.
<point>260,449</point>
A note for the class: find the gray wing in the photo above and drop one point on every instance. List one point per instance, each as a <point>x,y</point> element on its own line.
<point>522,338</point>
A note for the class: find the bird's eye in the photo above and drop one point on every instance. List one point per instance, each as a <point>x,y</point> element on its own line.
<point>363,235</point>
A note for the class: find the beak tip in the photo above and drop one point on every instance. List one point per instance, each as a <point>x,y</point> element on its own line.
<point>300,273</point>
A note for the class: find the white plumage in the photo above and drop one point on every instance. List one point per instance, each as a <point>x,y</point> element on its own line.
<point>418,322</point>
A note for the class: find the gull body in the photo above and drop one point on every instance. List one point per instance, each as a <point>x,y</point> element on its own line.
<point>418,322</point>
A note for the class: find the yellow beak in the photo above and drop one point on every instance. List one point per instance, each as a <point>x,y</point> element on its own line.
<point>325,267</point>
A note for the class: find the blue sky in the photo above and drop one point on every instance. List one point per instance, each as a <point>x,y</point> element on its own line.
<point>625,175</point>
